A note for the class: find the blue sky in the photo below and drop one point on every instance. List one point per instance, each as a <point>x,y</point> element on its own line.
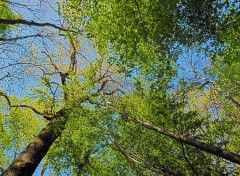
<point>189,60</point>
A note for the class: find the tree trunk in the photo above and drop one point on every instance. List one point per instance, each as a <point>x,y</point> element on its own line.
<point>28,160</point>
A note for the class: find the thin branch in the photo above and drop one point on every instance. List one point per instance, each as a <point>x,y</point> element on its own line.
<point>46,116</point>
<point>185,157</point>
<point>103,85</point>
<point>138,160</point>
<point>29,107</point>
<point>7,75</point>
<point>19,38</point>
<point>215,87</point>
<point>44,167</point>
<point>30,23</point>
<point>51,61</point>
<point>6,97</point>
<point>22,63</point>
<point>29,7</point>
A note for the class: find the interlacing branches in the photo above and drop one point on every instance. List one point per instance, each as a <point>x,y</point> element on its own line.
<point>132,158</point>
<point>46,115</point>
<point>223,153</point>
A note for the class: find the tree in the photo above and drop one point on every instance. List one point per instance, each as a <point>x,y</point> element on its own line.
<point>107,85</point>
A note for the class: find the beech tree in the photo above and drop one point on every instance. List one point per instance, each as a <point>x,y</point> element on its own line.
<point>133,87</point>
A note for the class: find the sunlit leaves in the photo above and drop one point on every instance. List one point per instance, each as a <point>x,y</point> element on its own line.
<point>17,127</point>
<point>6,13</point>
<point>136,32</point>
<point>140,37</point>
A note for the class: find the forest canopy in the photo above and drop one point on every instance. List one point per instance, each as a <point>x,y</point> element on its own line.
<point>137,87</point>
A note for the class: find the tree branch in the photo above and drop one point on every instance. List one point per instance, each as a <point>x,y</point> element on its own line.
<point>73,60</point>
<point>227,95</point>
<point>51,61</point>
<point>30,23</point>
<point>85,162</point>
<point>7,75</point>
<point>19,38</point>
<point>138,160</point>
<point>223,153</point>
<point>46,116</point>
<point>185,157</point>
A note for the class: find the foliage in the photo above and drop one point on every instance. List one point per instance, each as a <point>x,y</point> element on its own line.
<point>6,13</point>
<point>18,127</point>
<point>120,59</point>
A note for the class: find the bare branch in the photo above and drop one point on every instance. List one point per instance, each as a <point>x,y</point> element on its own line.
<point>102,85</point>
<point>19,38</point>
<point>6,97</point>
<point>45,164</point>
<point>7,75</point>
<point>51,61</point>
<point>30,64</point>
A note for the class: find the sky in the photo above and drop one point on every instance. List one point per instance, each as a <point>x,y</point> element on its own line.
<point>36,10</point>
<point>48,13</point>
<point>41,11</point>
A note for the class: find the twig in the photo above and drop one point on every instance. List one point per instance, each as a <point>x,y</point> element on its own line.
<point>19,38</point>
<point>185,157</point>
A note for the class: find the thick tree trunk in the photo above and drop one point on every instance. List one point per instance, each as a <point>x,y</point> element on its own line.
<point>28,160</point>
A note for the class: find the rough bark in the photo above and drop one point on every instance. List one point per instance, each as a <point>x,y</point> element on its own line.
<point>28,160</point>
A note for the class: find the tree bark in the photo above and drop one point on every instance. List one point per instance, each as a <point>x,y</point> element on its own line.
<point>28,160</point>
